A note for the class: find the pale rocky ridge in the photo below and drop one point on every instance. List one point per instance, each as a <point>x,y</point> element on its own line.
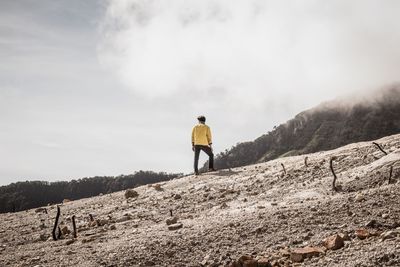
<point>248,216</point>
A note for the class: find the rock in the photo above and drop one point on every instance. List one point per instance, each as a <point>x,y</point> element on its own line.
<point>69,242</point>
<point>334,242</point>
<point>250,263</point>
<point>66,200</point>
<point>65,230</point>
<point>43,237</point>
<point>171,220</point>
<point>113,227</point>
<point>130,193</point>
<point>359,197</point>
<point>177,196</point>
<point>123,218</point>
<point>101,222</point>
<point>371,223</point>
<point>385,216</point>
<point>345,236</point>
<point>44,210</point>
<point>263,262</point>
<point>362,233</point>
<point>158,187</point>
<point>299,254</point>
<point>175,226</point>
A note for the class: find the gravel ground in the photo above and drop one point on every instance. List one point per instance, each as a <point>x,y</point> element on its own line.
<point>247,216</point>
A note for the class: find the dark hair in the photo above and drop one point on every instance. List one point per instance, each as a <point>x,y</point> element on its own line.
<point>201,118</point>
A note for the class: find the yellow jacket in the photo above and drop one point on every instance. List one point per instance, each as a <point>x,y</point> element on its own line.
<point>201,135</point>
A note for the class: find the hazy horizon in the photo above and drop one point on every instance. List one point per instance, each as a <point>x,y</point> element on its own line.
<point>103,88</point>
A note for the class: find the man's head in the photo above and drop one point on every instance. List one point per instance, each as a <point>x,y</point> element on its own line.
<point>201,119</point>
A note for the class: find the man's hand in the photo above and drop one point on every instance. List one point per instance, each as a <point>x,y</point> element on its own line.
<point>211,148</point>
<point>193,148</point>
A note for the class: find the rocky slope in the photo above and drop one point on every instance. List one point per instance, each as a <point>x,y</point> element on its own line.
<point>327,126</point>
<point>275,213</point>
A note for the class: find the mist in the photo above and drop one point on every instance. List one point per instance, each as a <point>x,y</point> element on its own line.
<point>251,52</point>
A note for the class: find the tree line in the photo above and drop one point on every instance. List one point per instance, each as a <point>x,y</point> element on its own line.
<point>31,194</point>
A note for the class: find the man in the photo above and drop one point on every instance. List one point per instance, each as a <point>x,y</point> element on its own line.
<point>201,140</point>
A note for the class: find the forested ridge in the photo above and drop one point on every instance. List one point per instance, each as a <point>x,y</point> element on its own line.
<point>327,126</point>
<point>31,194</point>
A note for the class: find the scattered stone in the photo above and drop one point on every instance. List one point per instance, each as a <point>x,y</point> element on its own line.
<point>345,236</point>
<point>359,197</point>
<point>250,263</point>
<point>177,196</point>
<point>113,227</point>
<point>171,221</point>
<point>263,262</point>
<point>158,187</point>
<point>124,218</point>
<point>101,222</point>
<point>69,242</point>
<point>175,226</point>
<point>44,210</point>
<point>130,193</point>
<point>385,216</point>
<point>334,242</point>
<point>65,230</point>
<point>362,233</point>
<point>371,223</point>
<point>43,237</point>
<point>299,254</point>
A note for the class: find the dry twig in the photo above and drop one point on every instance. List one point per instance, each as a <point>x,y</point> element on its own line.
<point>56,223</point>
<point>380,148</point>
<point>334,174</point>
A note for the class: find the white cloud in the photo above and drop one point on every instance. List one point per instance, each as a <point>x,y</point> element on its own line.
<point>252,50</point>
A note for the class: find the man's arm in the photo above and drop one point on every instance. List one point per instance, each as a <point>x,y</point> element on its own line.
<point>209,138</point>
<point>193,139</point>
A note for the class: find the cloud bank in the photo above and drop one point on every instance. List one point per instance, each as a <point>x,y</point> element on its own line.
<point>251,50</point>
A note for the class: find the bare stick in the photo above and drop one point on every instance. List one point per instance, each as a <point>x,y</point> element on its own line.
<point>283,167</point>
<point>334,174</point>
<point>56,223</point>
<point>305,161</point>
<point>74,226</point>
<point>380,148</point>
<point>390,174</point>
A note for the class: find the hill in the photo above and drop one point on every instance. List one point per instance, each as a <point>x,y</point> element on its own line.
<point>327,126</point>
<point>258,215</point>
<point>31,194</point>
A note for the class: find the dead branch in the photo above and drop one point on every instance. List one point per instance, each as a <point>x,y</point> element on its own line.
<point>56,223</point>
<point>390,174</point>
<point>305,161</point>
<point>334,174</point>
<point>283,167</point>
<point>380,148</point>
<point>74,226</point>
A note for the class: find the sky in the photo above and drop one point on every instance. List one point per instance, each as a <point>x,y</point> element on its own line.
<point>111,87</point>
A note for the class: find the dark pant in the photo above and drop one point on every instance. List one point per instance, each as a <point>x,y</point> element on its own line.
<point>208,151</point>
